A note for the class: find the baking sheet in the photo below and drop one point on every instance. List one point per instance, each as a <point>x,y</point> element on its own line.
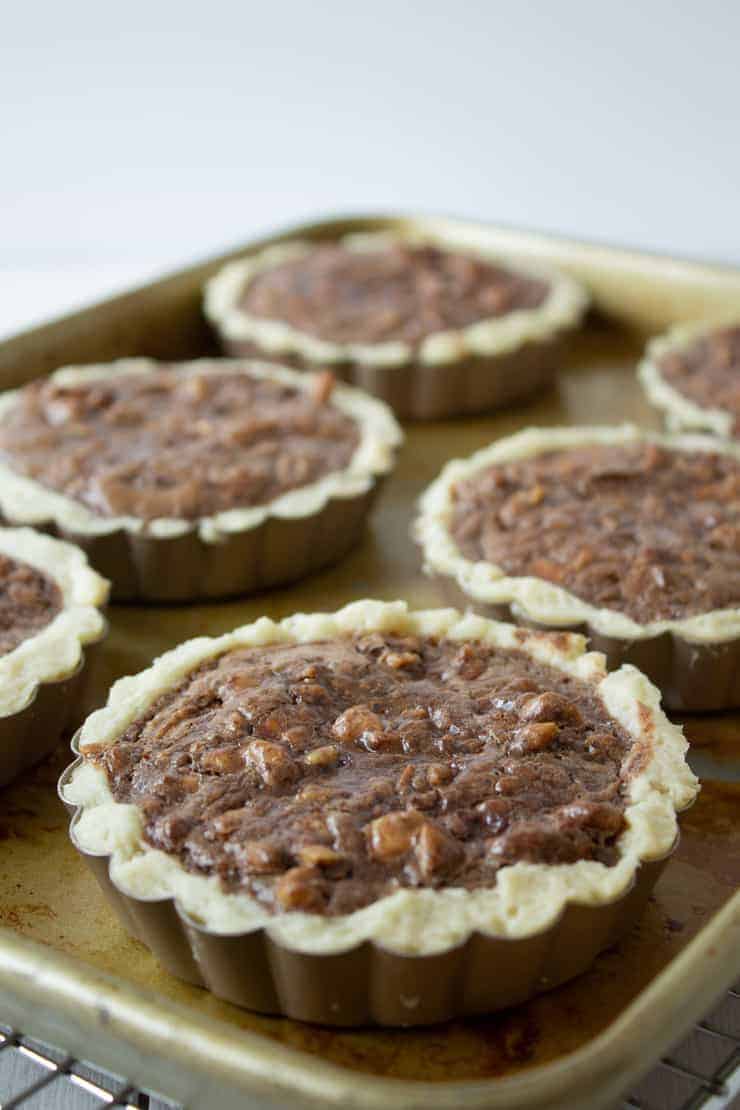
<point>47,896</point>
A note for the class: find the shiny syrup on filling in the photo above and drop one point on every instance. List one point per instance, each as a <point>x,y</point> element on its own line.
<point>647,531</point>
<point>168,444</point>
<point>322,777</point>
<point>29,600</point>
<point>400,293</point>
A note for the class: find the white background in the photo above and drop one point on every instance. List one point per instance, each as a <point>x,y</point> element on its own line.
<point>138,135</point>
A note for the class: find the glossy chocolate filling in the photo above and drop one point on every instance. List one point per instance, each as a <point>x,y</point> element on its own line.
<point>322,777</point>
<point>641,529</point>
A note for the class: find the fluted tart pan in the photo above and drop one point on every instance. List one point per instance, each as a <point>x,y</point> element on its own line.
<point>44,680</point>
<point>230,553</point>
<point>694,661</point>
<point>681,412</point>
<point>487,365</point>
<point>416,956</point>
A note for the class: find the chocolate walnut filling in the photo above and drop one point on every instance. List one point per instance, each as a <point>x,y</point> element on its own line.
<point>167,444</point>
<point>29,600</point>
<point>641,529</point>
<point>399,293</point>
<point>708,371</point>
<point>321,777</point>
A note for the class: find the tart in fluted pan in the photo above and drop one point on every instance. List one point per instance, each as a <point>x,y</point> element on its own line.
<point>50,602</point>
<point>693,374</point>
<point>378,815</point>
<point>195,480</point>
<point>630,537</point>
<point>432,328</point>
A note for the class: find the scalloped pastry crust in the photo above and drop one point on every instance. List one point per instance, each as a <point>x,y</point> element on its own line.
<point>26,501</point>
<point>562,309</point>
<point>56,650</point>
<point>526,899</point>
<point>535,599</point>
<point>681,413</point>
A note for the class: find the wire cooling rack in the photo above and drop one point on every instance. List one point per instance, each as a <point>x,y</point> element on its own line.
<point>700,1073</point>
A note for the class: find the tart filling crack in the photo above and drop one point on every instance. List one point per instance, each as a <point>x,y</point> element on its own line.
<point>632,819</point>
<point>49,588</point>
<point>513,304</point>
<point>539,598</point>
<point>692,373</point>
<point>72,454</point>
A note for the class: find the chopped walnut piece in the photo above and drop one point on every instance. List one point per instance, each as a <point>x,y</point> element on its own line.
<point>309,692</point>
<point>548,707</point>
<point>599,815</point>
<point>468,663</point>
<point>438,774</point>
<point>511,784</point>
<point>302,888</point>
<point>400,660</point>
<point>390,836</point>
<point>422,778</point>
<point>405,779</point>
<point>436,853</point>
<point>273,763</point>
<point>325,756</point>
<point>227,823</point>
<point>235,724</point>
<point>318,855</point>
<point>189,783</point>
<point>534,737</point>
<point>355,722</point>
<point>315,793</point>
<point>263,857</point>
<point>221,761</point>
<point>297,738</point>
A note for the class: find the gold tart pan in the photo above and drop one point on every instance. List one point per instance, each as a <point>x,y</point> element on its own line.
<point>186,567</point>
<point>417,391</point>
<point>368,984</point>
<point>53,711</point>
<point>692,677</point>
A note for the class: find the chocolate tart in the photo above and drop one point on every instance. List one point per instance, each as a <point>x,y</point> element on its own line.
<point>50,602</point>
<point>433,328</point>
<point>377,816</point>
<point>693,375</point>
<point>195,480</point>
<point>626,536</point>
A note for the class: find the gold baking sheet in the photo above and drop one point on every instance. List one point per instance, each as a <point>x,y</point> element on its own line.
<point>71,972</point>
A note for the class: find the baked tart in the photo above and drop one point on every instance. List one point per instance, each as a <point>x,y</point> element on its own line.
<point>377,815</point>
<point>433,328</point>
<point>693,375</point>
<point>50,602</point>
<point>630,537</point>
<point>195,480</point>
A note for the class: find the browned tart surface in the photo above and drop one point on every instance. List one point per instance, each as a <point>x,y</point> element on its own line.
<point>650,532</point>
<point>708,371</point>
<point>398,293</point>
<point>321,777</point>
<point>163,444</point>
<point>29,600</point>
